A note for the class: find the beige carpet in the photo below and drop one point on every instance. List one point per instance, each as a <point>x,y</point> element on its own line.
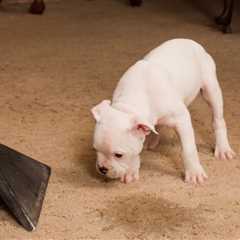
<point>55,67</point>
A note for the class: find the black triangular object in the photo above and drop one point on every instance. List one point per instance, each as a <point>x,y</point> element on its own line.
<point>23,183</point>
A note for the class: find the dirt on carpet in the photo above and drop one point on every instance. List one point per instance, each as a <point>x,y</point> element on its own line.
<point>55,67</point>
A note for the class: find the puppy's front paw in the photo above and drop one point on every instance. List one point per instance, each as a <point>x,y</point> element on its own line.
<point>195,174</point>
<point>224,152</point>
<point>129,177</point>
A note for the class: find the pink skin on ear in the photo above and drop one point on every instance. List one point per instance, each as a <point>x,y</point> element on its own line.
<point>144,129</point>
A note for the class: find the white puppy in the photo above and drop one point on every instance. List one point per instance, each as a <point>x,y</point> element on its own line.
<point>156,91</point>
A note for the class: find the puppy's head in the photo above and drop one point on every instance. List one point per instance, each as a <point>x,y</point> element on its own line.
<point>118,141</point>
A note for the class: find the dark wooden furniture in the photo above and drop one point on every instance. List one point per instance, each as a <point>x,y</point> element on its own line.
<point>135,3</point>
<point>224,19</point>
<point>37,7</point>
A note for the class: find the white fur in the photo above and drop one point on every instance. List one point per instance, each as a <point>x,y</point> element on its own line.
<point>156,91</point>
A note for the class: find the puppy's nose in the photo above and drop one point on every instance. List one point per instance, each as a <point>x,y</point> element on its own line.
<point>103,170</point>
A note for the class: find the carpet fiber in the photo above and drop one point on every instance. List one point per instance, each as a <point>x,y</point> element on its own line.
<point>55,67</point>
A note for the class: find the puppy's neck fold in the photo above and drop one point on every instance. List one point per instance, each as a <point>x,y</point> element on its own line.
<point>134,111</point>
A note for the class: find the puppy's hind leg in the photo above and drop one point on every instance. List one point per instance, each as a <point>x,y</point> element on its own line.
<point>211,92</point>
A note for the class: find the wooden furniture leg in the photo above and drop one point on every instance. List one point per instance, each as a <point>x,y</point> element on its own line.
<point>225,18</point>
<point>37,7</point>
<point>135,3</point>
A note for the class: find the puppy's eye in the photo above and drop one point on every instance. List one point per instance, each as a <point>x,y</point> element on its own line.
<point>118,155</point>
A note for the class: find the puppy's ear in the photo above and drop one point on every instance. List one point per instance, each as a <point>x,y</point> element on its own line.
<point>143,128</point>
<point>98,109</point>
